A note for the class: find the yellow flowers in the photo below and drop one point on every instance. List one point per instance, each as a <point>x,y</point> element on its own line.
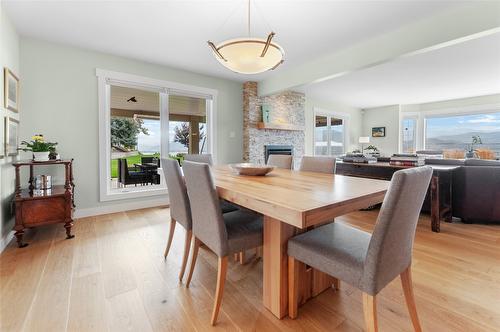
<point>38,138</point>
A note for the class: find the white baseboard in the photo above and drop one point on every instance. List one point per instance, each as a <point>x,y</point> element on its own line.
<point>4,241</point>
<point>89,212</point>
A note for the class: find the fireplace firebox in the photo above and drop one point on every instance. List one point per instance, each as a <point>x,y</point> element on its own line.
<point>277,149</point>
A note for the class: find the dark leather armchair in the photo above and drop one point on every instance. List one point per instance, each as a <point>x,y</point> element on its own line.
<point>126,176</point>
<point>476,191</point>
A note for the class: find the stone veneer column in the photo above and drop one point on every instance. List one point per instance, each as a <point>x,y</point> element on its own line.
<point>286,107</point>
<point>249,100</point>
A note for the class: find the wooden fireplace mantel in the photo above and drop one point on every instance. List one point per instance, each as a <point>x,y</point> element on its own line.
<point>279,126</point>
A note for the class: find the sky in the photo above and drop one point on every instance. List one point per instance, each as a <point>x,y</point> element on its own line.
<point>462,124</point>
<point>151,142</point>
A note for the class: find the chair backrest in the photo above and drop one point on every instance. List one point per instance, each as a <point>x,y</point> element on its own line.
<point>318,164</point>
<point>208,223</point>
<point>390,249</point>
<point>280,161</point>
<point>200,158</point>
<point>147,160</point>
<point>119,169</point>
<point>180,210</point>
<point>124,169</point>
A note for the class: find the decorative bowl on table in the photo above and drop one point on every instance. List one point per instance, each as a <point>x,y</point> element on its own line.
<point>251,169</point>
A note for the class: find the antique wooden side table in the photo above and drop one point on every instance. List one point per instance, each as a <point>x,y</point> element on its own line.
<point>42,207</point>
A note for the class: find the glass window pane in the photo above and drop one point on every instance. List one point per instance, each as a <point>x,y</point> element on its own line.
<point>135,138</point>
<point>321,135</point>
<point>179,137</point>
<point>409,135</point>
<point>203,142</point>
<point>187,125</point>
<point>337,136</point>
<point>454,134</point>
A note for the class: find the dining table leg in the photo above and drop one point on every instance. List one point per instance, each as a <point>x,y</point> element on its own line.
<point>275,266</point>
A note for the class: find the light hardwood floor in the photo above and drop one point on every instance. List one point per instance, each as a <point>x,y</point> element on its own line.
<point>112,276</point>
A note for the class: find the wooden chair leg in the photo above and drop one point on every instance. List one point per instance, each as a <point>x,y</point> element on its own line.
<point>194,255</point>
<point>236,256</point>
<point>410,298</point>
<point>293,287</point>
<point>336,283</point>
<point>258,252</point>
<point>170,237</point>
<point>187,245</point>
<point>242,257</point>
<point>370,310</point>
<point>221,279</point>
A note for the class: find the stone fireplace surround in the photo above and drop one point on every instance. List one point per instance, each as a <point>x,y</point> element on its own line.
<point>286,107</point>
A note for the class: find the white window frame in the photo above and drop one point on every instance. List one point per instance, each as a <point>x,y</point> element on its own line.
<point>409,116</point>
<point>332,114</point>
<point>105,78</point>
<point>423,115</point>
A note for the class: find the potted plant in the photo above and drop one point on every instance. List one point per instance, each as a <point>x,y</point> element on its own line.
<point>372,150</point>
<point>40,148</point>
<point>471,152</point>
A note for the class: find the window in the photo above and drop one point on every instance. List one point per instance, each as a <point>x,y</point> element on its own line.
<point>142,120</point>
<point>409,135</point>
<point>187,126</point>
<point>135,139</point>
<point>329,134</point>
<point>454,133</point>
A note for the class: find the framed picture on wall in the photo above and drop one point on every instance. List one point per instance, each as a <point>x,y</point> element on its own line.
<point>11,136</point>
<point>378,131</point>
<point>11,91</point>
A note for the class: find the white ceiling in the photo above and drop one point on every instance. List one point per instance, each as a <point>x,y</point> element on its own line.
<point>464,70</point>
<point>174,33</point>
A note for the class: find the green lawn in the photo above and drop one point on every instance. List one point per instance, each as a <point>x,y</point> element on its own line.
<point>130,162</point>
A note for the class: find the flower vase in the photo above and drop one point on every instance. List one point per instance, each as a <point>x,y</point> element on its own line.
<point>41,156</point>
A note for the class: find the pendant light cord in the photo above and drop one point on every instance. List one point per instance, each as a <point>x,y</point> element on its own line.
<point>249,18</point>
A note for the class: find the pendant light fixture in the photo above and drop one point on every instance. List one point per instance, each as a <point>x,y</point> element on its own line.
<point>249,55</point>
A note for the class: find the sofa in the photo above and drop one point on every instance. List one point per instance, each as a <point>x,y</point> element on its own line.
<point>475,189</point>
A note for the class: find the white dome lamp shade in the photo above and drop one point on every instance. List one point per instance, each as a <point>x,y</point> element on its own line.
<point>249,55</point>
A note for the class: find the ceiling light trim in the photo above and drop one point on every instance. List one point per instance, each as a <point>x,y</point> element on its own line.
<point>241,56</point>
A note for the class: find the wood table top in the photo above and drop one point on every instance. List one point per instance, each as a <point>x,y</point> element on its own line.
<point>299,198</point>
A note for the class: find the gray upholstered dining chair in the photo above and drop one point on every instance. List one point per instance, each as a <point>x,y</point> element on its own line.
<point>180,212</point>
<point>318,164</point>
<point>280,161</point>
<point>224,234</point>
<point>368,262</point>
<point>200,158</point>
<point>206,158</point>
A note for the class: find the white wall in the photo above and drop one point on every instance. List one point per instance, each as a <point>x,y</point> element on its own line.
<point>388,117</point>
<point>59,97</point>
<point>355,121</point>
<point>9,57</point>
<point>455,105</point>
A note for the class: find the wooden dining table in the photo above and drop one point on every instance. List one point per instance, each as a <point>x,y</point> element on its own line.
<point>292,202</point>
